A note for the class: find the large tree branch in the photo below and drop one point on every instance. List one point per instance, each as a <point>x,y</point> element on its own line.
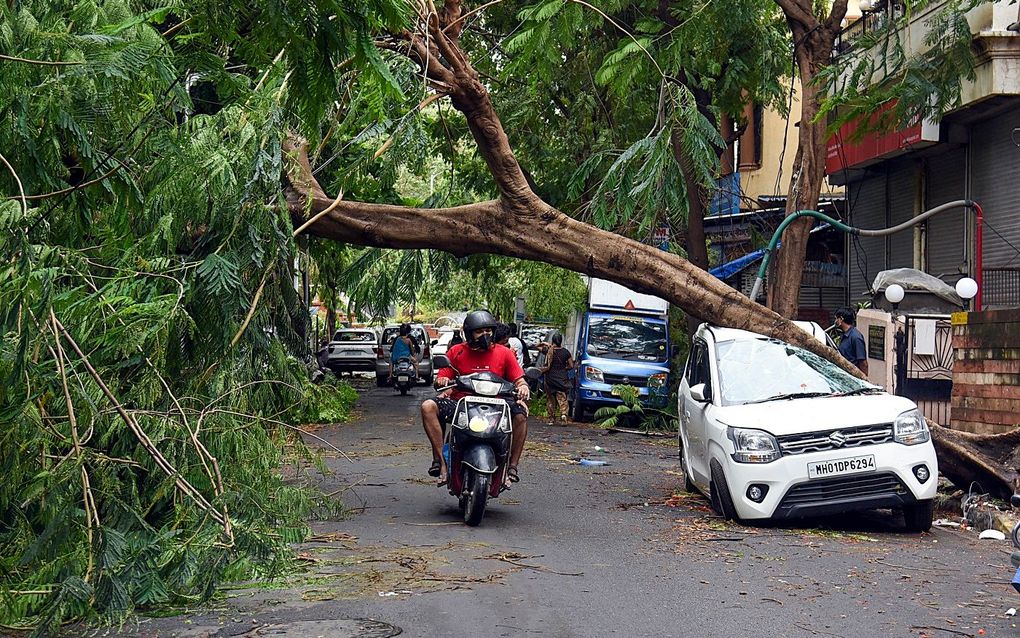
<point>800,10</point>
<point>540,233</point>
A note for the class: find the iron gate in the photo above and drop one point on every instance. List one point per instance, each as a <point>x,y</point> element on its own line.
<point>924,365</point>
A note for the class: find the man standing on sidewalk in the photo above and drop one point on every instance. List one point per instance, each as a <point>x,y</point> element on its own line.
<point>852,346</point>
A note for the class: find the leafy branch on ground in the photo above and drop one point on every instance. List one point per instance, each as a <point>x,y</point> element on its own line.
<point>632,413</point>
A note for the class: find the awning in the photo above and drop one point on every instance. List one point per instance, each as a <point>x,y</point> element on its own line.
<point>730,268</point>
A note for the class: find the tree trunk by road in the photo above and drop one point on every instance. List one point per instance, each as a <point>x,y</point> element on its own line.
<point>813,45</point>
<point>519,224</point>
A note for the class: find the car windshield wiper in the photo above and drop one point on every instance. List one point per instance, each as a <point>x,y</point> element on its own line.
<point>864,390</point>
<point>792,395</point>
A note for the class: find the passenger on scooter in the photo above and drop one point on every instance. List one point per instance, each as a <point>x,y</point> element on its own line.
<point>402,347</point>
<point>477,354</point>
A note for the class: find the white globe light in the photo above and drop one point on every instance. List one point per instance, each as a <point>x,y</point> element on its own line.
<point>894,293</point>
<point>966,288</point>
<point>866,5</point>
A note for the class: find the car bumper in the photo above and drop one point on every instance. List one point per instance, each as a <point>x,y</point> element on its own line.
<point>382,368</point>
<point>605,397</point>
<point>793,494</point>
<point>351,364</point>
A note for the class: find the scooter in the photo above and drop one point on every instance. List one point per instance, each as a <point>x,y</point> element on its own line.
<point>405,373</point>
<point>477,443</point>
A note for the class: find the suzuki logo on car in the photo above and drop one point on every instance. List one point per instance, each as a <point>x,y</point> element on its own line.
<point>837,438</point>
<point>625,380</point>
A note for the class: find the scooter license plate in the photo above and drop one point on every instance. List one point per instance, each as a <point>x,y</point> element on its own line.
<point>402,378</point>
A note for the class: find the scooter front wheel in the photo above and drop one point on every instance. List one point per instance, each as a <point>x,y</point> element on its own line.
<point>477,485</point>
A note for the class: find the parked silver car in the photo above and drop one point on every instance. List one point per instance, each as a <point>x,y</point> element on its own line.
<point>351,350</point>
<point>424,353</point>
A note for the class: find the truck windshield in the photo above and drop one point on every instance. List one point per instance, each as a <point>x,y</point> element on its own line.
<point>630,338</point>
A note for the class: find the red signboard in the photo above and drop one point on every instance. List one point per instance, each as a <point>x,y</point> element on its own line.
<point>876,145</point>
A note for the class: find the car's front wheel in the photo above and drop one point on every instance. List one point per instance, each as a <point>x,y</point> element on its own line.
<point>722,502</point>
<point>918,516</point>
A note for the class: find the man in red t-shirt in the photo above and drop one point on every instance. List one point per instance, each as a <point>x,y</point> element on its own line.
<point>477,354</point>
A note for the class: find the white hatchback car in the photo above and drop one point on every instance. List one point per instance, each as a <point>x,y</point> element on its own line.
<point>769,430</point>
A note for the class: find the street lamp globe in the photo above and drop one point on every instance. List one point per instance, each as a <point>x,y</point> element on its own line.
<point>966,288</point>
<point>894,294</point>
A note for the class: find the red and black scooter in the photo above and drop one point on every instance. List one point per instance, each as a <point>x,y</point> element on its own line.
<point>477,444</point>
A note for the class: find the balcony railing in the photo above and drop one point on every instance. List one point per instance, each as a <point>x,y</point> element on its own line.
<point>870,21</point>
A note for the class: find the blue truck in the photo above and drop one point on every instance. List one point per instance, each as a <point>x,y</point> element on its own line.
<point>621,338</point>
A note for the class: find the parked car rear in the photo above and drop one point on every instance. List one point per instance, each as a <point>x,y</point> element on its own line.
<point>351,350</point>
<point>385,347</point>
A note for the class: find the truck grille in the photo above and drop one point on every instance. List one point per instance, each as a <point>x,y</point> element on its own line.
<point>619,379</point>
<point>842,438</point>
<point>843,487</point>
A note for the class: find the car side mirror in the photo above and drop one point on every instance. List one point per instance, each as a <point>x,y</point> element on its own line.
<point>435,342</point>
<point>441,361</point>
<point>700,393</point>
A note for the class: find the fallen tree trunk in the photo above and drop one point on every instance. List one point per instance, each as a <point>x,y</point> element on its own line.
<point>519,224</point>
<point>989,460</point>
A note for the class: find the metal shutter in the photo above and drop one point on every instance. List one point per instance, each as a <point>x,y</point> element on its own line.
<point>995,176</point>
<point>865,255</point>
<point>901,186</point>
<point>946,181</point>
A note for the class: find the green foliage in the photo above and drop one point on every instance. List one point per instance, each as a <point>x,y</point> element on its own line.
<point>631,413</point>
<point>145,469</point>
<point>330,401</point>
<point>880,70</point>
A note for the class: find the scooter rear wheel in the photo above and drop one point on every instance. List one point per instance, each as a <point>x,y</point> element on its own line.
<point>478,493</point>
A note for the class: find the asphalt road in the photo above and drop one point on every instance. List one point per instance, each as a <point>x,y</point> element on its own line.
<point>593,551</point>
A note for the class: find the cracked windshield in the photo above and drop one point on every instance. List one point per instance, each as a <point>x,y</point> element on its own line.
<point>624,338</point>
<point>760,369</point>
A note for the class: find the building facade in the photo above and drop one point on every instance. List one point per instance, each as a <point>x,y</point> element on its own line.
<point>972,153</point>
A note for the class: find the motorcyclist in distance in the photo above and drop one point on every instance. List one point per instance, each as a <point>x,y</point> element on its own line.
<point>477,354</point>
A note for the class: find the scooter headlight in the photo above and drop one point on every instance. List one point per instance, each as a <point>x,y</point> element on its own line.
<point>487,388</point>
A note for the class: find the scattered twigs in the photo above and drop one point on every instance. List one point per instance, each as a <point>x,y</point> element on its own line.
<point>12,58</point>
<point>920,569</point>
<point>514,559</point>
<point>88,500</point>
<point>161,461</point>
<point>21,188</point>
<point>945,629</point>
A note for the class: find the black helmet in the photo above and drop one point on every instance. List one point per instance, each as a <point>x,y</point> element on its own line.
<point>476,321</point>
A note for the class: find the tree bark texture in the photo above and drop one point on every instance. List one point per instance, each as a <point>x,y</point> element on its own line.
<point>813,43</point>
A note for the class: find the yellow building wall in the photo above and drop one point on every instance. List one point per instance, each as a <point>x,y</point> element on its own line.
<point>777,164</point>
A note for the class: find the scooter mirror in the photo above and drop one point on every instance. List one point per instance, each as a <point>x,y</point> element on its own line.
<point>1015,500</point>
<point>440,361</point>
<point>533,373</point>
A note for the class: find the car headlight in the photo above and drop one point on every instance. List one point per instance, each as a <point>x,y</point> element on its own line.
<point>910,428</point>
<point>753,446</point>
<point>657,381</point>
<point>593,374</point>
